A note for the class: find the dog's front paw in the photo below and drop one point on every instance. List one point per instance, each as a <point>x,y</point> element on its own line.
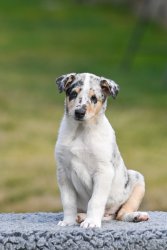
<point>65,223</point>
<point>90,223</point>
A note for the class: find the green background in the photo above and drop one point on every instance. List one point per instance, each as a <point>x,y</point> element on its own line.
<point>41,40</point>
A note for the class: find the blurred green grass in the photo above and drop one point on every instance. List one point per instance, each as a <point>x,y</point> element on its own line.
<point>41,40</point>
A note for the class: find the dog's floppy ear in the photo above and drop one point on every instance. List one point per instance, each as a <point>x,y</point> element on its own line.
<point>109,87</point>
<point>65,81</point>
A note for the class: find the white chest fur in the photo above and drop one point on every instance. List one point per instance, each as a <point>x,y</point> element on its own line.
<point>82,148</point>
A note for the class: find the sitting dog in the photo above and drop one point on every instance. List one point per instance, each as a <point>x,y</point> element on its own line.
<point>92,176</point>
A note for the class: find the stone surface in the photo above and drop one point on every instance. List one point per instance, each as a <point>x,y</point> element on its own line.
<point>40,231</point>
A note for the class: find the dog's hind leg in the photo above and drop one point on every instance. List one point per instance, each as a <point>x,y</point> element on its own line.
<point>80,217</point>
<point>128,211</point>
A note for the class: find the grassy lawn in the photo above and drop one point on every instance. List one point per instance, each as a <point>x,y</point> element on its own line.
<point>41,40</point>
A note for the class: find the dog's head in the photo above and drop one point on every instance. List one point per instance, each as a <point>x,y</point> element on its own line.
<point>86,94</point>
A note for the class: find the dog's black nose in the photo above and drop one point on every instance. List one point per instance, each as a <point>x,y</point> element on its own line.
<point>80,113</point>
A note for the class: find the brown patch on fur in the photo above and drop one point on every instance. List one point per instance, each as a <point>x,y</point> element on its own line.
<point>105,87</point>
<point>68,81</point>
<point>70,104</point>
<point>133,203</point>
<point>94,108</point>
<point>80,217</point>
<point>78,89</point>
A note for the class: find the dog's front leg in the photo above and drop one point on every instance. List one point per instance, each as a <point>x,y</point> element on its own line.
<point>69,201</point>
<point>96,206</point>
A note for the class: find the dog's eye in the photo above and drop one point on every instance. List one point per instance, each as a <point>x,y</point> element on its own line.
<point>73,95</point>
<point>93,99</point>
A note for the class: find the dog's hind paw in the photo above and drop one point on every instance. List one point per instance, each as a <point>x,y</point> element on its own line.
<point>141,216</point>
<point>136,217</point>
<point>80,217</point>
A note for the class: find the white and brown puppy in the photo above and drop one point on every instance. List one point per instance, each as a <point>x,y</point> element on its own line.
<point>92,176</point>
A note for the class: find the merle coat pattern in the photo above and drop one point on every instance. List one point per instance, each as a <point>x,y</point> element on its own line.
<point>93,179</point>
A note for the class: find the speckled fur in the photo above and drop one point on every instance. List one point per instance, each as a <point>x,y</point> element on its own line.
<point>92,176</point>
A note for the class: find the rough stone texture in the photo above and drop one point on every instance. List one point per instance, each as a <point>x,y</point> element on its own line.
<point>40,231</point>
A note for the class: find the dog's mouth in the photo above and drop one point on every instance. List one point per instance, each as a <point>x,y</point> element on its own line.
<point>79,118</point>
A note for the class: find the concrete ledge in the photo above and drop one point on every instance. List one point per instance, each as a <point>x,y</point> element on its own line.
<point>39,231</point>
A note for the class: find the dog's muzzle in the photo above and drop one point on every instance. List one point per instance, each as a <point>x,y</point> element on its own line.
<point>80,113</point>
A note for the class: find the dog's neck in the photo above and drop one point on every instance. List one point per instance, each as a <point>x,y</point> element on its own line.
<point>72,128</point>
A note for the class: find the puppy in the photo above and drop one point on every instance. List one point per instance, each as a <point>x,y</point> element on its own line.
<point>92,176</point>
